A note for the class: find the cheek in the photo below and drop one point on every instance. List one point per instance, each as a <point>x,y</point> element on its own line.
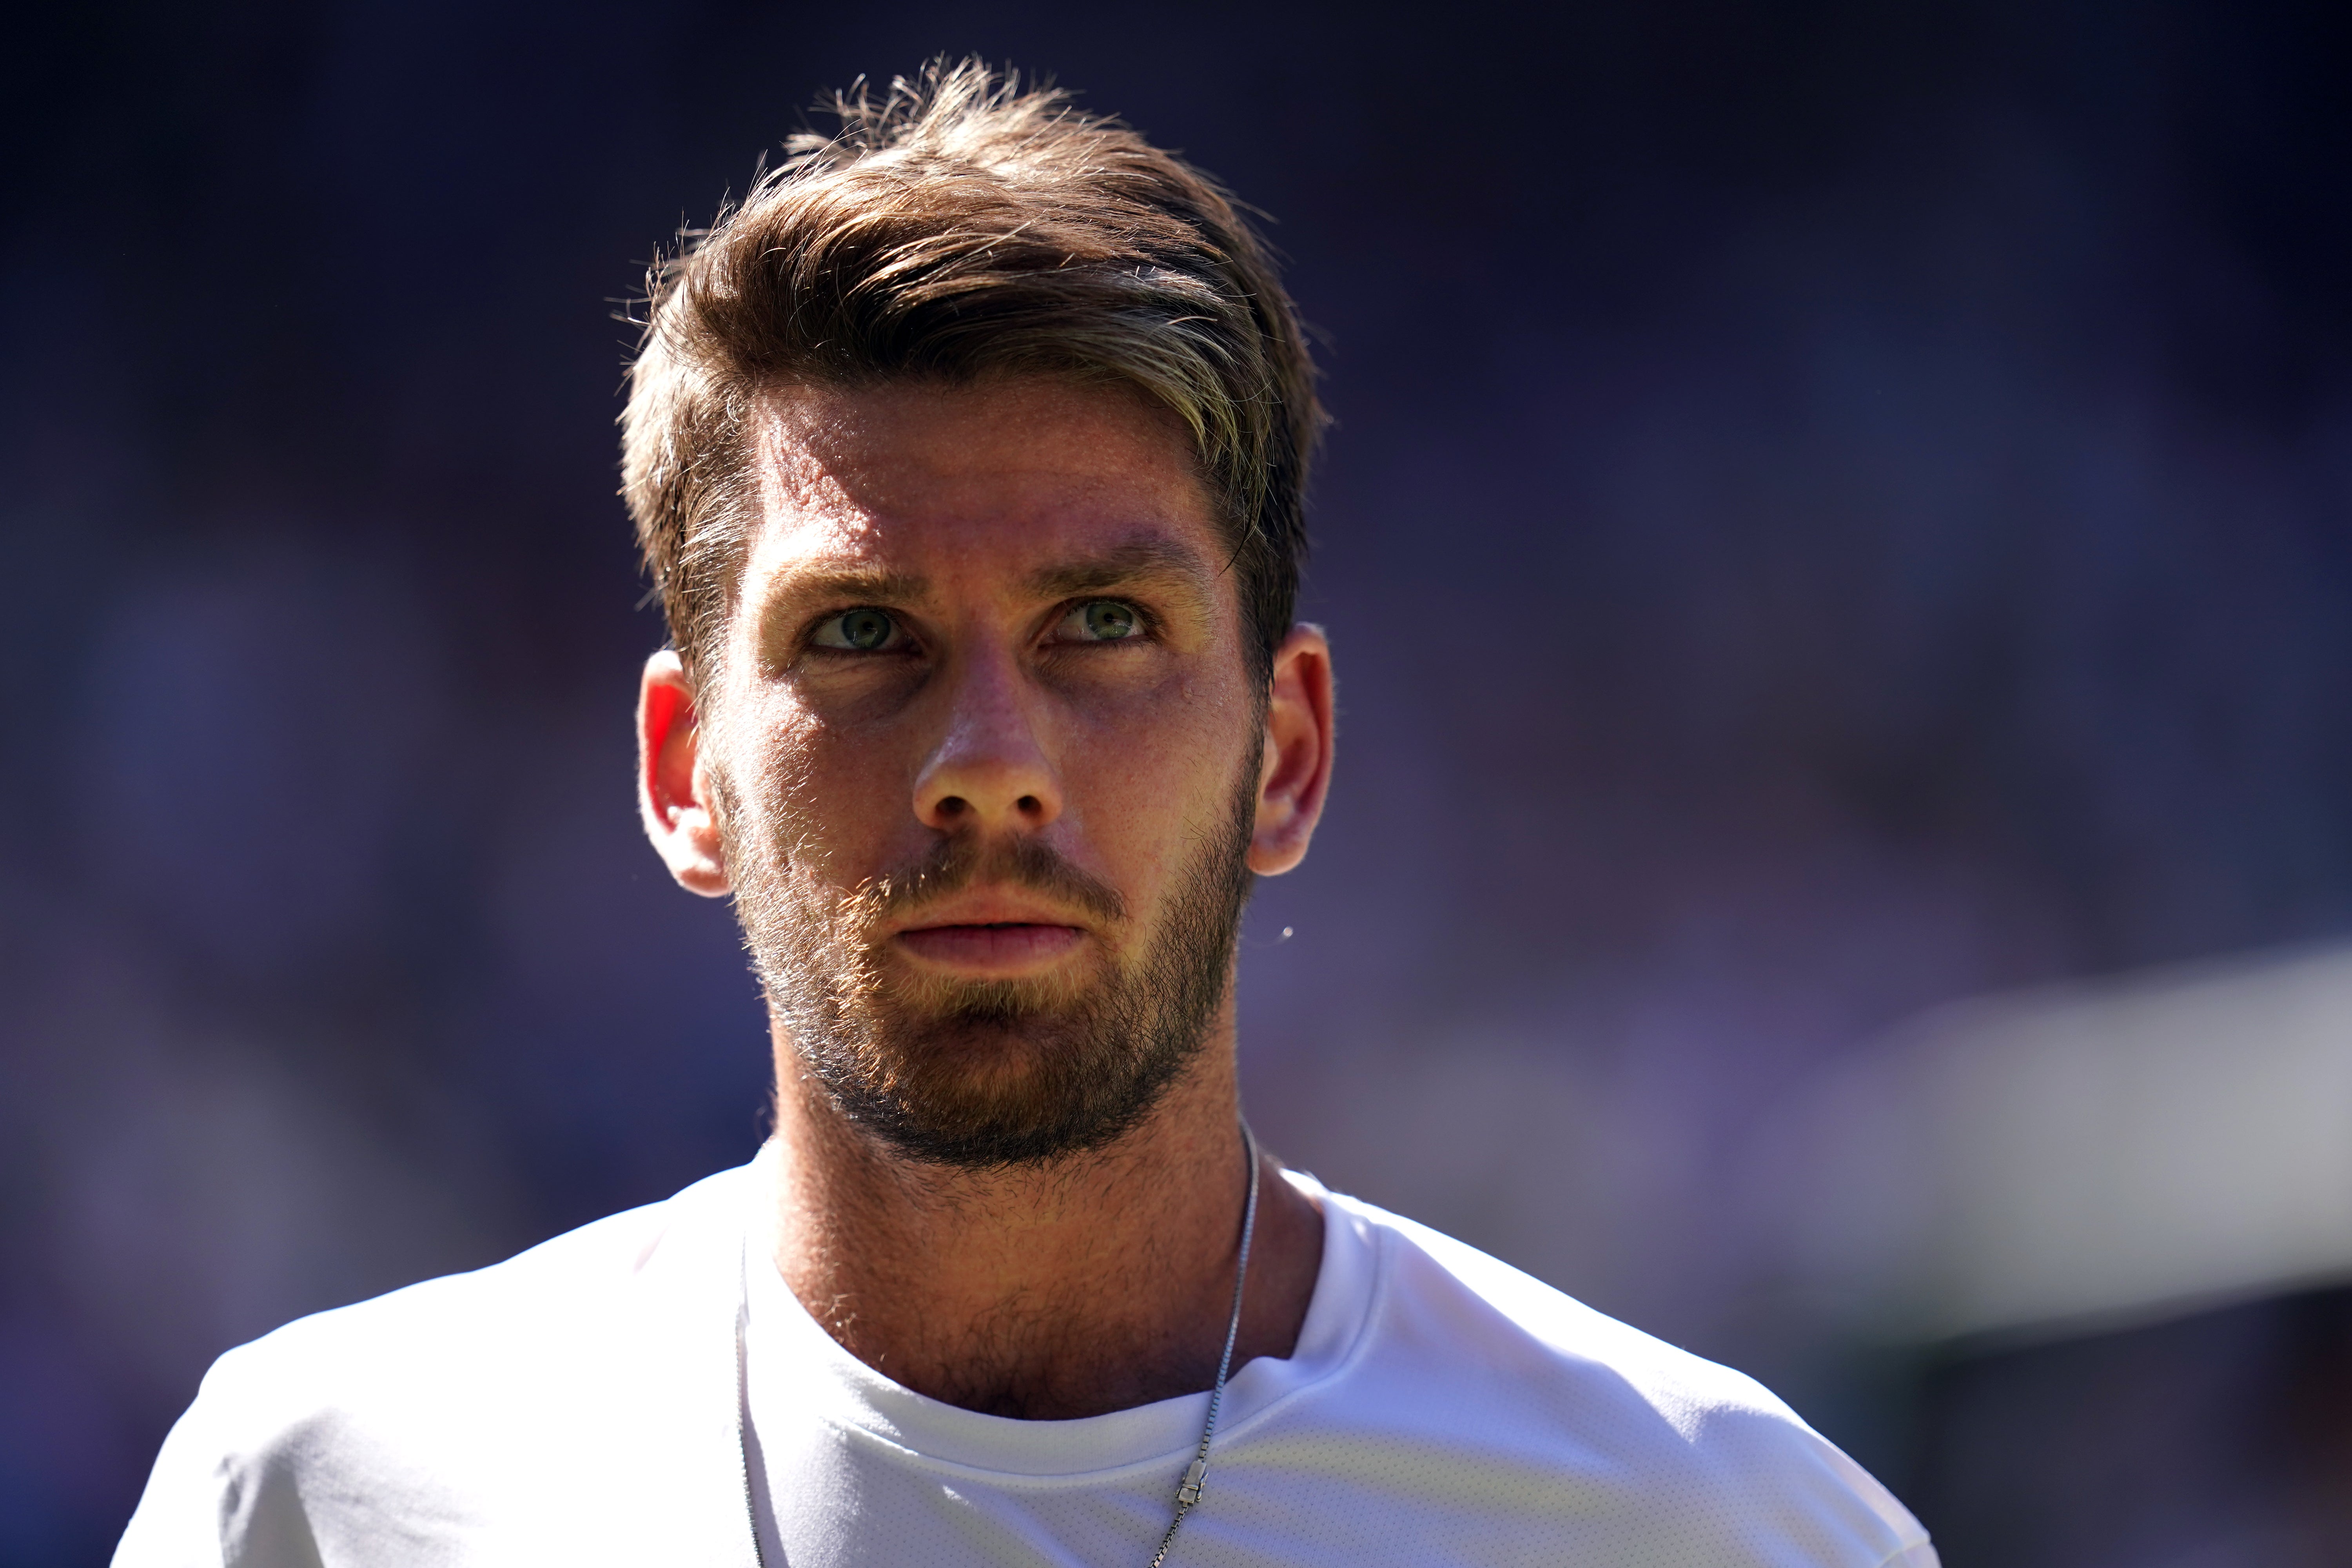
<point>836,801</point>
<point>770,750</point>
<point>1151,779</point>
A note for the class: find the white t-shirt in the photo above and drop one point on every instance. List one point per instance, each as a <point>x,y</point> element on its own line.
<point>1440,1408</point>
<point>580,1404</point>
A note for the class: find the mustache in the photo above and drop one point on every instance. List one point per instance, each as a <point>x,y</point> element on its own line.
<point>954,864</point>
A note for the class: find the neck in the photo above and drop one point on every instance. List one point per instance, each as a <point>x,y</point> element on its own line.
<point>1101,1281</point>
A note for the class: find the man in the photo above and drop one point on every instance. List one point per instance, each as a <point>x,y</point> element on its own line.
<point>968,454</point>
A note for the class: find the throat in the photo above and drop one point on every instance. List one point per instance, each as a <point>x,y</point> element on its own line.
<point>1081,1371</point>
<point>1054,1293</point>
<point>1056,1340</point>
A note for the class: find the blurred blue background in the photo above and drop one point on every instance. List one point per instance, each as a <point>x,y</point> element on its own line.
<point>1836,508</point>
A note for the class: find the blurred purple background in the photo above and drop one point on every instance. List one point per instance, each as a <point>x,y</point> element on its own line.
<point>1835,508</point>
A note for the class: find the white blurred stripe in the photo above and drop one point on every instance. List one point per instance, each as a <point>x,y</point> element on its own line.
<point>2100,1149</point>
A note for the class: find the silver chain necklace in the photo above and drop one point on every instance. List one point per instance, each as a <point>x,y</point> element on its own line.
<point>1188,1492</point>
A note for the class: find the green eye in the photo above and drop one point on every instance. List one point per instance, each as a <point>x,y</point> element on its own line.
<point>1108,620</point>
<point>863,630</point>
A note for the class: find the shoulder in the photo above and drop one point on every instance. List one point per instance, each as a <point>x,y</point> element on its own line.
<point>588,1265</point>
<point>1431,1284</point>
<point>441,1395</point>
<point>498,1322</point>
<point>1632,1429</point>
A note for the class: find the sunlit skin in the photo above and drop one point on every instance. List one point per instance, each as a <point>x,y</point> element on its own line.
<point>998,611</point>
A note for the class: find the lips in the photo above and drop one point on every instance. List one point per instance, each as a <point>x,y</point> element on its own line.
<point>991,947</point>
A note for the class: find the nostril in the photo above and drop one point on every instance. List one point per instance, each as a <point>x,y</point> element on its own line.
<point>1028,806</point>
<point>950,805</point>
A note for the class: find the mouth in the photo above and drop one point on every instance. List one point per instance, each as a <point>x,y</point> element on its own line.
<point>992,932</point>
<point>993,948</point>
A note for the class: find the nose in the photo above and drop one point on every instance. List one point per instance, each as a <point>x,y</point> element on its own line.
<point>989,772</point>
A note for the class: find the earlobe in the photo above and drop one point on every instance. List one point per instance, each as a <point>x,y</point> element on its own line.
<point>1297,772</point>
<point>674,795</point>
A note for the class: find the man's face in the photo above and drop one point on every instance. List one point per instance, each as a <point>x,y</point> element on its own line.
<point>985,757</point>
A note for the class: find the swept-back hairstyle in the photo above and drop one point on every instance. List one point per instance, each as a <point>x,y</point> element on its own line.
<point>954,227</point>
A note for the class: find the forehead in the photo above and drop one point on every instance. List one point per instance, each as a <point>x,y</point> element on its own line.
<point>1001,477</point>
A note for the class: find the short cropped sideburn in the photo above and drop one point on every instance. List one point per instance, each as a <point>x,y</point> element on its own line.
<point>955,227</point>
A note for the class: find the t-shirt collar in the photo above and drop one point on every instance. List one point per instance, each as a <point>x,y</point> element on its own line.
<point>790,1348</point>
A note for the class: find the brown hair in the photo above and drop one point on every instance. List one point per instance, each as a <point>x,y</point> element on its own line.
<point>955,227</point>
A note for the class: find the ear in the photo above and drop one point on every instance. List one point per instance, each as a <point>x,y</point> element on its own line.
<point>1297,772</point>
<point>674,793</point>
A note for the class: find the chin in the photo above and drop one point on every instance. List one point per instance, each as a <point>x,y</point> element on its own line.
<point>992,1087</point>
<point>976,1057</point>
<point>913,1006</point>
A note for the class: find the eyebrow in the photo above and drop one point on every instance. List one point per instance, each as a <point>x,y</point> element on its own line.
<point>1138,559</point>
<point>874,583</point>
<point>1148,557</point>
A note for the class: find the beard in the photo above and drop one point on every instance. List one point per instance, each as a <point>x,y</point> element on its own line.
<point>991,1074</point>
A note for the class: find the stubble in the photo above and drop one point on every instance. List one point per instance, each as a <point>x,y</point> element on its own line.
<point>981,1075</point>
